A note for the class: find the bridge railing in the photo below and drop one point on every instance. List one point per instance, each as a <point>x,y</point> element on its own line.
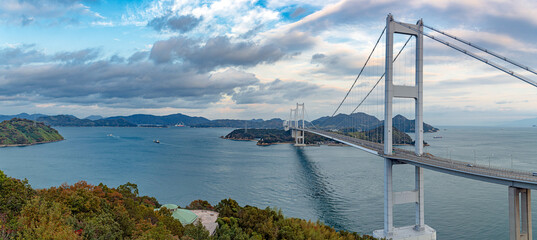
<point>492,170</point>
<point>447,163</point>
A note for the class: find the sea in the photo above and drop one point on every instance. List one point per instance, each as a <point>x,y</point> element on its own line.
<point>339,186</point>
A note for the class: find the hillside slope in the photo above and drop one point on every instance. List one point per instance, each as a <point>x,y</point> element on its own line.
<point>19,131</point>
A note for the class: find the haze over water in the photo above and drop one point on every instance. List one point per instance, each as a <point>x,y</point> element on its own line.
<point>340,186</point>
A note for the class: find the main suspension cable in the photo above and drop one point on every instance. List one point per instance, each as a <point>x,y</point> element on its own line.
<point>483,49</point>
<point>482,59</point>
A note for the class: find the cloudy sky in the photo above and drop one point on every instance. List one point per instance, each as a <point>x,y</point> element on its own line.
<point>250,59</point>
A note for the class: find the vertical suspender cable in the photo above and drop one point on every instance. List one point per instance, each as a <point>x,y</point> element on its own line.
<point>367,95</point>
<point>360,72</point>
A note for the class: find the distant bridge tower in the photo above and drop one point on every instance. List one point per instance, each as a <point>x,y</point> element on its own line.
<point>419,230</point>
<point>295,123</point>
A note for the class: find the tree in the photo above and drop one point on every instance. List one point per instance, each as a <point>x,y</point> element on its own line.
<point>200,205</point>
<point>41,219</point>
<point>196,231</point>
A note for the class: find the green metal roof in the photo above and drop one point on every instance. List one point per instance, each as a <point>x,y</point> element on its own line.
<point>169,206</point>
<point>184,216</point>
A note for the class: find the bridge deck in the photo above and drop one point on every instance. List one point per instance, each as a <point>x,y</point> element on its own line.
<point>503,176</point>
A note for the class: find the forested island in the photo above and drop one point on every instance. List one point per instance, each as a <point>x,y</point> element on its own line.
<point>266,137</point>
<point>21,132</point>
<point>85,211</point>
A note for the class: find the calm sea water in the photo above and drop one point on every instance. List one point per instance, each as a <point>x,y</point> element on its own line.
<point>340,186</point>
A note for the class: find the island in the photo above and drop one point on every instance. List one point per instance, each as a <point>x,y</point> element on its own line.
<point>265,137</point>
<point>22,132</point>
<point>85,211</point>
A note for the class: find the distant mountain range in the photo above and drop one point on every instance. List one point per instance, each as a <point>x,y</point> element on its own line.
<point>94,117</point>
<point>22,116</point>
<point>356,121</point>
<point>168,120</point>
<point>529,122</point>
<point>72,121</point>
<point>274,123</point>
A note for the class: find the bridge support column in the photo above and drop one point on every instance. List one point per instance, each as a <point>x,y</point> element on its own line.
<point>420,206</point>
<point>388,198</point>
<point>298,134</point>
<point>520,214</point>
<point>420,231</point>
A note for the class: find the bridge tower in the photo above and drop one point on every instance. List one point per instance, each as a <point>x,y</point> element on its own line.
<point>416,196</point>
<point>298,134</point>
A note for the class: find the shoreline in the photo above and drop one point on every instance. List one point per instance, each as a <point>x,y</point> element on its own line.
<point>28,144</point>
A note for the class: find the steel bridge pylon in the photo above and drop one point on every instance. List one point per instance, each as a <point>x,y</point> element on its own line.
<point>419,230</point>
<point>296,122</point>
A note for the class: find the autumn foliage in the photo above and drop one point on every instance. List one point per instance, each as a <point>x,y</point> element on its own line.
<point>85,211</point>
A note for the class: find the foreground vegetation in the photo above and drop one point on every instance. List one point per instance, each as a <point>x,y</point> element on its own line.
<point>19,131</point>
<point>84,211</point>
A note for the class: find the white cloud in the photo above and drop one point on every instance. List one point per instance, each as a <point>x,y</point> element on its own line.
<point>25,12</point>
<point>103,24</point>
<point>231,18</point>
<point>524,10</point>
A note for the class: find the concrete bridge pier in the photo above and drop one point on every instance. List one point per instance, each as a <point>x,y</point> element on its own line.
<point>520,214</point>
<point>420,231</point>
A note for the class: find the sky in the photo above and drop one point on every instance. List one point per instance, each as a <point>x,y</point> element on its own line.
<point>244,59</point>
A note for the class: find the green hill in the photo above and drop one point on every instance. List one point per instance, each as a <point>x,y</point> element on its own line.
<point>19,131</point>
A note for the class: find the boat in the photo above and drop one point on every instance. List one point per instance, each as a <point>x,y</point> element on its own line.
<point>437,137</point>
<point>180,125</point>
<point>156,141</point>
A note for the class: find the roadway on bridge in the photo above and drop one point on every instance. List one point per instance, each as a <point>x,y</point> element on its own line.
<point>509,177</point>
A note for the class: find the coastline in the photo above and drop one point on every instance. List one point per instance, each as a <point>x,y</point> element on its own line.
<point>28,144</point>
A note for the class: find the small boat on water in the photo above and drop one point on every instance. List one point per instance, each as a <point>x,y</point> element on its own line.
<point>180,124</point>
<point>156,141</point>
<point>437,137</point>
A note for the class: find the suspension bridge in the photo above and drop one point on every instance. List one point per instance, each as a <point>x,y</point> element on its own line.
<point>390,93</point>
